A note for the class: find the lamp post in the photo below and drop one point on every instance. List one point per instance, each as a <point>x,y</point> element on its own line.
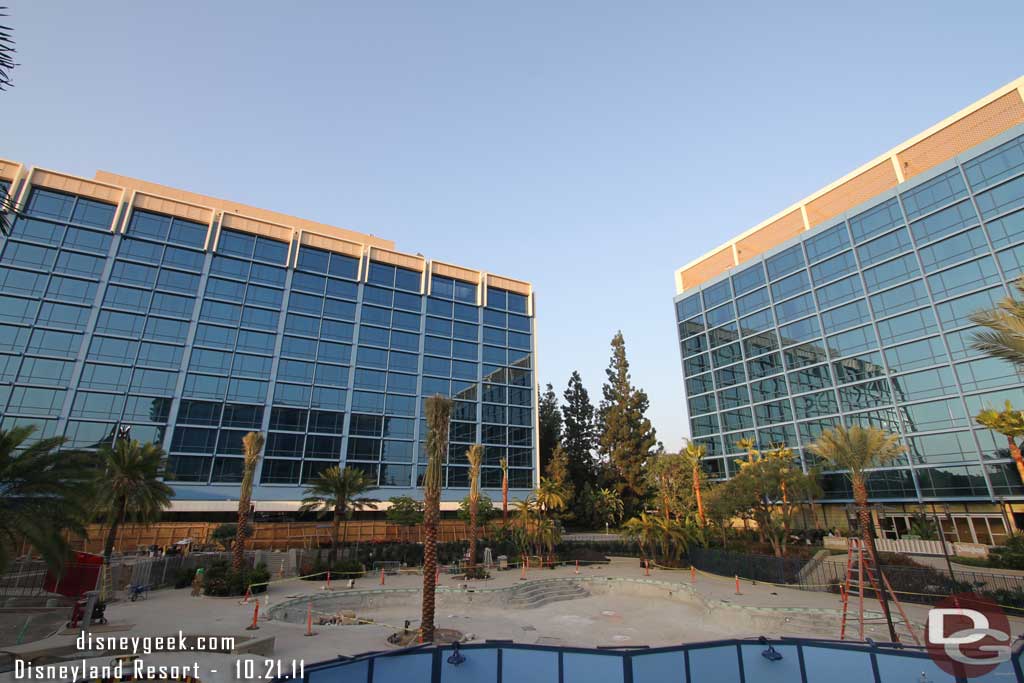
<point>942,537</point>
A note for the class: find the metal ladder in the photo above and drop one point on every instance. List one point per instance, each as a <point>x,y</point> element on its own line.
<point>862,572</point>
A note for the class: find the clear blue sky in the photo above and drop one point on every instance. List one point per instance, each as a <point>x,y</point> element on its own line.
<point>589,147</point>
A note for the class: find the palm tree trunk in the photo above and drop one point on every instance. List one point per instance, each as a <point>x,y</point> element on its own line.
<point>696,493</point>
<point>472,534</point>
<point>333,557</point>
<point>429,571</point>
<point>860,496</point>
<point>504,498</point>
<point>115,523</point>
<point>1017,458</point>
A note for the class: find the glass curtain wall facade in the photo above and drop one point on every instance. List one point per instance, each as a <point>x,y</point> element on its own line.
<point>194,336</point>
<point>864,320</point>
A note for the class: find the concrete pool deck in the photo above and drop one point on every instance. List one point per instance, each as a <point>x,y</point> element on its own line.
<point>655,610</point>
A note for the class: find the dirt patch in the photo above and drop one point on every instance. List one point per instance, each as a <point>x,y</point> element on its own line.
<point>442,636</point>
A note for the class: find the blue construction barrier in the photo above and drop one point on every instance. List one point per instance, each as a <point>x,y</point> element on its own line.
<point>787,660</point>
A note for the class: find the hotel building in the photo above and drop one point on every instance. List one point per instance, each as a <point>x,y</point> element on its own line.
<point>194,320</point>
<point>852,307</point>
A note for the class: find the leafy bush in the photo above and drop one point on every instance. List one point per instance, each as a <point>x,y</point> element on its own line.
<point>1011,555</point>
<point>346,569</point>
<point>183,577</point>
<point>220,580</point>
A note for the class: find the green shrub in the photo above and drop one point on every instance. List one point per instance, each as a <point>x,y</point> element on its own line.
<point>1011,555</point>
<point>220,580</point>
<point>183,577</point>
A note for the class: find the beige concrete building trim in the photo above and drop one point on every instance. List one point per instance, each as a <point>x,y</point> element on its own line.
<point>171,207</point>
<point>396,258</point>
<point>896,168</point>
<point>229,207</point>
<point>978,121</point>
<point>509,285</point>
<point>455,272</point>
<point>63,182</point>
<point>332,244</point>
<point>10,170</point>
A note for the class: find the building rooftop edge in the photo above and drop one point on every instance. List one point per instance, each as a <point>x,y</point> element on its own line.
<point>800,205</point>
<point>129,186</point>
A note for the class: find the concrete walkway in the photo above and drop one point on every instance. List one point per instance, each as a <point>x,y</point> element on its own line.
<point>606,619</point>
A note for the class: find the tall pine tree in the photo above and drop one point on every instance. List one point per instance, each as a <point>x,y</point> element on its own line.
<point>578,434</point>
<point>550,418</point>
<point>626,436</point>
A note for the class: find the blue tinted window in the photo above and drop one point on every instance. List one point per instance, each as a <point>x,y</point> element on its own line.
<point>38,231</point>
<point>1007,230</point>
<point>883,248</point>
<point>236,243</point>
<point>79,264</point>
<point>145,224</point>
<point>753,301</point>
<point>29,255</point>
<point>785,262</point>
<point>188,233</point>
<point>845,316</point>
<point>794,308</point>
<point>719,315</point>
<point>944,222</point>
<point>828,242</point>
<point>900,298</point>
<point>748,279</point>
<point>270,275</point>
<point>954,249</point>
<point>184,258</point>
<point>966,277</point>
<point>230,267</point>
<point>891,273</point>
<point>1002,198</point>
<point>998,164</point>
<point>178,281</point>
<point>907,327</point>
<point>88,240</point>
<point>934,193</point>
<point>800,331</point>
<point>50,204</point>
<point>271,250</point>
<point>791,285</point>
<point>716,294</point>
<point>875,221</point>
<point>218,337</point>
<point>852,341</point>
<point>344,266</point>
<point>834,267</point>
<point>313,259</point>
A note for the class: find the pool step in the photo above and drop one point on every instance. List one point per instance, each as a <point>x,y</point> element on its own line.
<point>540,593</point>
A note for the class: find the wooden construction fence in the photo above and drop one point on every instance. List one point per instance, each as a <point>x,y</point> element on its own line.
<point>266,535</point>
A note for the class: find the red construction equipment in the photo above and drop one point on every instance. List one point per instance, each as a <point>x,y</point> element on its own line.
<point>860,563</point>
<point>309,619</point>
<point>738,585</point>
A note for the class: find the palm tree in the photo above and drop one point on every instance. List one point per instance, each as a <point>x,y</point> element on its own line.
<point>1004,337</point>
<point>857,450</point>
<point>128,487</point>
<point>252,446</point>
<point>337,490</point>
<point>673,537</point>
<point>609,505</point>
<point>645,530</point>
<point>1009,423</point>
<point>43,492</point>
<point>504,492</point>
<point>550,496</point>
<point>695,453</point>
<point>438,411</point>
<point>475,455</point>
